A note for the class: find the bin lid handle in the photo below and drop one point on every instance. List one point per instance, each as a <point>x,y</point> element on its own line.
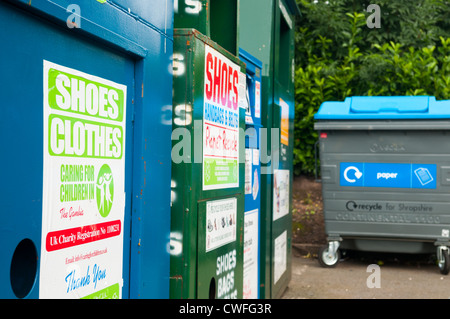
<point>389,104</point>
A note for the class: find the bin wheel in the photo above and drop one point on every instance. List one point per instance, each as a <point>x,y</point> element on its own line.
<point>444,262</point>
<point>328,259</point>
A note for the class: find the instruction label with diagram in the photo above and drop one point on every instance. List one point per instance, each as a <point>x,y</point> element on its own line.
<point>221,218</point>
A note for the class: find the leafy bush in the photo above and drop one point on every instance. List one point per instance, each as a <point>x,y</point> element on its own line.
<point>338,56</point>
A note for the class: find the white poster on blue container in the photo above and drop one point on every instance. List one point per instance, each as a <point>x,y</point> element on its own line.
<point>83,199</point>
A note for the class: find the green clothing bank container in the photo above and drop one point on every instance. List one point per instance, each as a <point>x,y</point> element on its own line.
<point>385,166</point>
<point>266,31</point>
<point>207,169</point>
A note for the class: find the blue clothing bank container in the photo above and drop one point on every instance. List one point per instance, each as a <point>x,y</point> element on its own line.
<point>252,215</point>
<point>385,166</point>
<point>85,148</point>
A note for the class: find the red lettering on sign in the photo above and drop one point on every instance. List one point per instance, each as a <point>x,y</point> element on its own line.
<point>217,140</point>
<point>209,66</point>
<point>221,82</point>
<point>81,235</point>
<point>229,84</point>
<point>216,84</point>
<point>224,85</point>
<point>235,89</point>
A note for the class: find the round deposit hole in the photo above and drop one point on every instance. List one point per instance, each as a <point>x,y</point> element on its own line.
<point>212,289</point>
<point>23,268</point>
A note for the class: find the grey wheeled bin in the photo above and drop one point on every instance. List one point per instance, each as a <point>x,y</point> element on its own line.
<point>385,167</point>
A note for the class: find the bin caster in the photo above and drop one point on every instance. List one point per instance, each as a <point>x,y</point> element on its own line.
<point>329,255</point>
<point>443,259</point>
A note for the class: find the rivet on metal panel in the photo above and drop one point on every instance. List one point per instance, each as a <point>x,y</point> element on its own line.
<point>73,25</point>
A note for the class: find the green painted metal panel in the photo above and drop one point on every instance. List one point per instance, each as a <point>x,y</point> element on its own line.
<point>192,14</point>
<point>216,19</point>
<point>283,118</point>
<point>224,24</point>
<point>269,36</point>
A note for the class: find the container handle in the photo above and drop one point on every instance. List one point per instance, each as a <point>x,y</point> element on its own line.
<point>315,162</point>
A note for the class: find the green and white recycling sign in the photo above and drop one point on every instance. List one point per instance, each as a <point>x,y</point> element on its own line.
<point>83,185</point>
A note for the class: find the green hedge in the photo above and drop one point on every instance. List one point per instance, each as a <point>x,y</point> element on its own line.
<point>338,55</point>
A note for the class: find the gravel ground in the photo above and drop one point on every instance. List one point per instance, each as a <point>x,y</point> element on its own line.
<point>307,213</point>
<point>400,276</point>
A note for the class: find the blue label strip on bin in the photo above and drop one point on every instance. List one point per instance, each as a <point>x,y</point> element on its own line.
<point>392,175</point>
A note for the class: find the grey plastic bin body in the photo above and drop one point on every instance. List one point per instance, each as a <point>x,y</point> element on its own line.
<point>385,167</point>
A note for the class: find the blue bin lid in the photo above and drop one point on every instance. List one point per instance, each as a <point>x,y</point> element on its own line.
<point>384,107</point>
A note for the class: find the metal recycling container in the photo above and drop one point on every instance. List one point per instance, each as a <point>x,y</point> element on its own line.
<point>207,169</point>
<point>216,19</point>
<point>385,166</point>
<point>268,34</point>
<point>86,200</point>
<point>252,176</point>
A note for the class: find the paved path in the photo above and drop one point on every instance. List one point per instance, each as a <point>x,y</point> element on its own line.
<point>408,278</point>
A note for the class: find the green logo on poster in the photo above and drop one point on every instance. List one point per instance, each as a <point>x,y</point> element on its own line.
<point>105,190</point>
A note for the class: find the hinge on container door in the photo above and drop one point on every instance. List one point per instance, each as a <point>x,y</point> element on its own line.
<point>133,99</point>
<point>132,111</point>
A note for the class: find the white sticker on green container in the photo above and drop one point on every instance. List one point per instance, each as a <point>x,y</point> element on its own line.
<point>280,256</point>
<point>280,193</point>
<point>221,218</point>
<point>83,198</point>
<point>220,122</point>
<point>251,255</point>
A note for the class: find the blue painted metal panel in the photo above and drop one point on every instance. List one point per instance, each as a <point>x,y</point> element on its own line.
<point>113,45</point>
<point>251,62</point>
<point>159,14</point>
<point>151,188</point>
<point>252,175</point>
<point>253,69</point>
